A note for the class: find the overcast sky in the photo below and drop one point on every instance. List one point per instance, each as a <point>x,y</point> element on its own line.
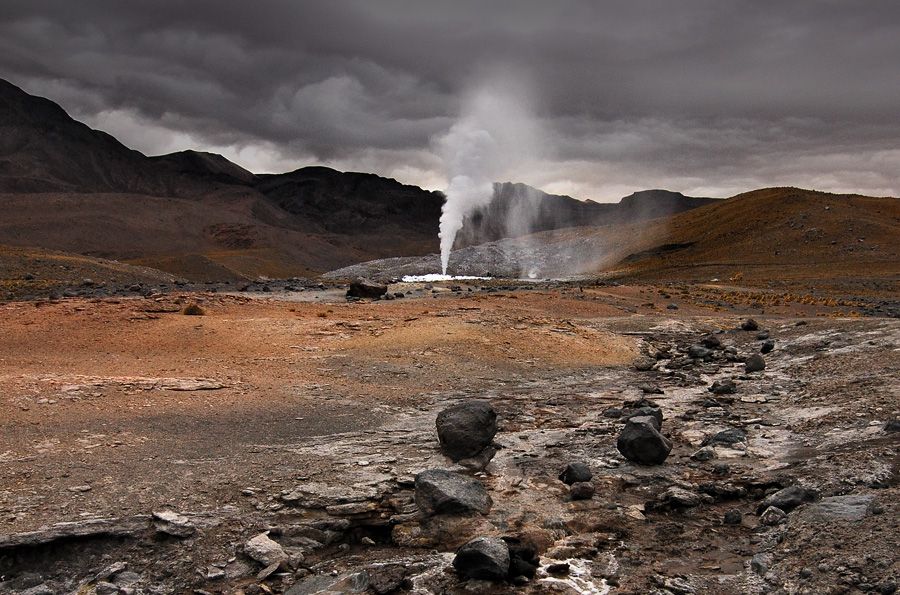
<point>709,97</point>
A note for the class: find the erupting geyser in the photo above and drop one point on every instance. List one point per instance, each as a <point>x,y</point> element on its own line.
<point>494,133</point>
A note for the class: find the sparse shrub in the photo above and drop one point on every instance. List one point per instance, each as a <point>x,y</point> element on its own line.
<point>193,309</point>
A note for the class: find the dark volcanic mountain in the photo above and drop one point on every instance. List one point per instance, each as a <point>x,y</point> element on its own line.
<point>65,186</point>
<point>350,203</point>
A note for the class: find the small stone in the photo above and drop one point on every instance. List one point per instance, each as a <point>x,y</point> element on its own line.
<point>772,516</point>
<point>80,489</point>
<point>762,335</point>
<point>707,453</point>
<point>675,496</point>
<point>582,490</point>
<point>559,569</point>
<point>644,364</point>
<point>174,524</point>
<point>366,288</point>
<point>264,550</point>
<point>733,517</point>
<point>760,563</point>
<point>711,342</point>
<point>699,352</point>
<point>724,386</point>
<point>788,499</point>
<point>214,574</point>
<point>727,437</point>
<point>104,588</point>
<point>755,363</point>
<point>806,572</point>
<point>445,492</point>
<point>892,426</point>
<point>485,558</point>
<point>575,472</point>
<point>750,325</point>
<point>767,346</point>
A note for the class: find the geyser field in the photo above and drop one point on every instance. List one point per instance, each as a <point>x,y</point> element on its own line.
<point>308,418</point>
<point>443,298</point>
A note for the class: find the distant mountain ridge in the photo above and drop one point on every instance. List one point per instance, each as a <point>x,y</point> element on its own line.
<point>341,217</point>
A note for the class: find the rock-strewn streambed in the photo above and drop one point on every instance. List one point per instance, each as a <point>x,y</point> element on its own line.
<point>778,480</point>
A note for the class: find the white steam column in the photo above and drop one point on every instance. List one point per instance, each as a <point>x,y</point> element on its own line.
<point>495,133</point>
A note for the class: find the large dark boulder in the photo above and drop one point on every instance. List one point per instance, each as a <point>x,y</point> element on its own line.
<point>485,558</point>
<point>466,429</point>
<point>445,492</point>
<point>366,288</point>
<point>640,442</point>
<point>654,412</point>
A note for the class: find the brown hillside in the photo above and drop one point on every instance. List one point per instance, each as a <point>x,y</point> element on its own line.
<point>785,233</point>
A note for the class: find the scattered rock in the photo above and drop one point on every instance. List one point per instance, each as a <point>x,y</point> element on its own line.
<point>466,429</point>
<point>650,389</point>
<point>264,550</point>
<point>767,346</point>
<point>699,352</point>
<point>640,442</point>
<point>750,325</point>
<point>445,492</point>
<point>559,569</point>
<point>727,437</point>
<point>772,516</point>
<point>892,426</point>
<point>644,364</point>
<point>707,453</point>
<point>788,498</point>
<point>174,524</point>
<point>733,517</point>
<point>484,558</point>
<point>675,496</point>
<point>755,363</point>
<point>366,288</point>
<point>760,563</point>
<point>575,472</point>
<point>582,490</point>
<point>711,342</point>
<point>724,386</point>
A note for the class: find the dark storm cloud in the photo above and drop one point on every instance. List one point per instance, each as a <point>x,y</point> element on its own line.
<point>704,95</point>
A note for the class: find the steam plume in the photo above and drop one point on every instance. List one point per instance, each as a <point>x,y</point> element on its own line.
<point>494,133</point>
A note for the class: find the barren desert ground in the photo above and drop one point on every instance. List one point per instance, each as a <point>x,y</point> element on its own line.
<point>308,417</point>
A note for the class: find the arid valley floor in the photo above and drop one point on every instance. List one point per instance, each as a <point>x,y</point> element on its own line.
<point>142,448</point>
